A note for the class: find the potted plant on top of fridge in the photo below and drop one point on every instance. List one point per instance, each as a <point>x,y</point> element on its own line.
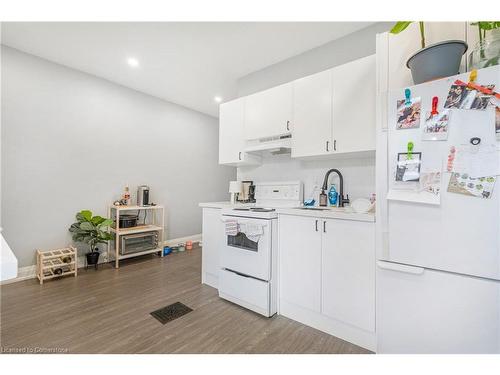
<point>487,51</point>
<point>435,61</point>
<point>91,230</point>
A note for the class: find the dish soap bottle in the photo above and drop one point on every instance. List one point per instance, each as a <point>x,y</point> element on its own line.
<point>333,196</point>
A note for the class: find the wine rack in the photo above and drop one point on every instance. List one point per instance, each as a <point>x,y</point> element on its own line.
<point>51,264</point>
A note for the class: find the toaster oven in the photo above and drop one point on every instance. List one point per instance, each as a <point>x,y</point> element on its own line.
<point>135,243</point>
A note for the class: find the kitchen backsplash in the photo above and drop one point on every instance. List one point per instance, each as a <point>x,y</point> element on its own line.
<point>359,174</point>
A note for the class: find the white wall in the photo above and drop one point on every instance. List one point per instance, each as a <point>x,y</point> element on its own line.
<point>359,174</point>
<point>71,141</point>
<point>337,52</point>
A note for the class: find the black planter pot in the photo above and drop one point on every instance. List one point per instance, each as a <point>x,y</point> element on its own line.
<point>92,259</point>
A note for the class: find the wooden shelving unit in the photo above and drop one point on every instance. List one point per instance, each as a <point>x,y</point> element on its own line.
<point>49,261</point>
<point>156,223</point>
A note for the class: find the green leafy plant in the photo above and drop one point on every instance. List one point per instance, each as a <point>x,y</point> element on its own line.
<point>91,230</point>
<point>484,26</point>
<point>403,25</point>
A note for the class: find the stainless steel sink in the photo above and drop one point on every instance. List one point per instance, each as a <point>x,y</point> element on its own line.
<point>331,209</point>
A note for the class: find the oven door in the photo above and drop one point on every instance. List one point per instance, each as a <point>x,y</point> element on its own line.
<point>242,255</point>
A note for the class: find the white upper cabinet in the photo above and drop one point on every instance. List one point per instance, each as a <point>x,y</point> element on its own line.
<point>334,111</point>
<point>231,127</point>
<point>312,115</point>
<point>328,113</point>
<point>354,95</point>
<point>231,134</point>
<point>268,113</point>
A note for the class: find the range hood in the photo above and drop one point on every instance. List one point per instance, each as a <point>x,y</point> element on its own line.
<point>275,145</point>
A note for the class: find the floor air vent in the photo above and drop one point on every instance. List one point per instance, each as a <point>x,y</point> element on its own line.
<point>171,312</point>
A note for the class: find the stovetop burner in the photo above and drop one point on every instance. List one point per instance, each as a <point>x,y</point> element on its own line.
<point>261,209</point>
<point>254,209</point>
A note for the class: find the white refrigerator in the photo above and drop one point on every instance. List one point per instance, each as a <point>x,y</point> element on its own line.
<point>438,255</point>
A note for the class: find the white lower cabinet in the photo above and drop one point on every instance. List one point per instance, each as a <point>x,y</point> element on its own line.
<point>300,261</point>
<point>327,276</point>
<point>426,311</point>
<point>213,237</point>
<point>348,272</point>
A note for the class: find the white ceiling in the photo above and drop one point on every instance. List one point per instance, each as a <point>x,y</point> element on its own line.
<point>184,63</point>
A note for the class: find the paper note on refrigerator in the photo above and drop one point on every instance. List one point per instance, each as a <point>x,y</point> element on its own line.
<point>475,187</point>
<point>476,161</point>
<point>430,182</point>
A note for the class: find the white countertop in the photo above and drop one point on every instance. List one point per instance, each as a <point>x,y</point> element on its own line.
<point>345,213</point>
<point>224,205</point>
<point>328,213</point>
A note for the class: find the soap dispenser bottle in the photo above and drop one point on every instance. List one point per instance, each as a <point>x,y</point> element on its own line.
<point>333,196</point>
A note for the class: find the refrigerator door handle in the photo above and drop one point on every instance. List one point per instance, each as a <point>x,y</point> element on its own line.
<point>400,267</point>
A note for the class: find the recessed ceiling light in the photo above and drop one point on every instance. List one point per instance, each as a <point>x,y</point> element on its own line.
<point>134,63</point>
<point>218,99</point>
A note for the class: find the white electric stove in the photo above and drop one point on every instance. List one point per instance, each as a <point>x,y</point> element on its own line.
<point>249,259</point>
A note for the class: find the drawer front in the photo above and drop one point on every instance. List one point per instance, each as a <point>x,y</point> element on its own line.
<point>245,291</point>
<point>426,311</point>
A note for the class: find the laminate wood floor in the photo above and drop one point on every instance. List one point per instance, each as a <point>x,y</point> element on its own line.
<point>108,311</point>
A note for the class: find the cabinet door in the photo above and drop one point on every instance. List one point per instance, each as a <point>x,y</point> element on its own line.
<point>424,311</point>
<point>213,235</point>
<point>348,272</point>
<point>268,113</point>
<point>300,261</point>
<point>354,95</point>
<point>312,115</point>
<point>231,126</point>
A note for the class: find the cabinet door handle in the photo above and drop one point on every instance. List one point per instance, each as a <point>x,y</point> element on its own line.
<point>239,155</point>
<point>324,226</point>
<point>400,267</point>
<point>334,145</point>
<point>288,125</point>
<point>316,225</point>
<point>327,143</point>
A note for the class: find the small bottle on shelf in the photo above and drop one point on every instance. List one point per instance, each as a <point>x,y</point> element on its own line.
<point>126,195</point>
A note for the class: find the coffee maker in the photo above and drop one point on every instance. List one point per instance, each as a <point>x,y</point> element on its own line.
<point>247,194</point>
<point>143,195</point>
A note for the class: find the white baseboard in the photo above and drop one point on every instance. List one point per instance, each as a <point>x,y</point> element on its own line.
<point>175,241</point>
<point>347,332</point>
<point>23,273</point>
<point>29,272</point>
